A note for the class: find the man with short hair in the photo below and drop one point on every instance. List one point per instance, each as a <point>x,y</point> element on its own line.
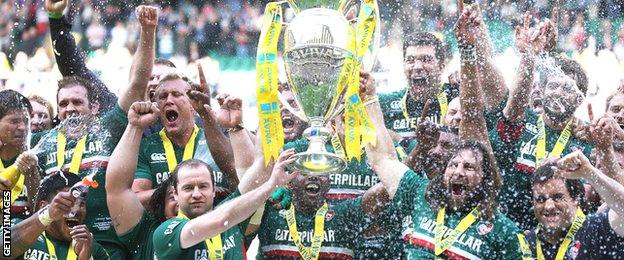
<point>181,139</point>
<point>565,232</point>
<point>49,234</point>
<point>83,142</point>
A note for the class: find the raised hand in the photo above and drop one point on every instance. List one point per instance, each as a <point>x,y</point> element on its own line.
<point>367,85</point>
<point>56,6</point>
<point>601,132</point>
<point>231,112</point>
<point>467,26</point>
<point>552,32</point>
<point>147,16</point>
<point>61,205</point>
<point>279,176</point>
<point>427,132</point>
<point>143,114</point>
<point>83,241</point>
<point>574,166</point>
<point>203,83</point>
<point>531,40</point>
<point>26,162</point>
<point>201,103</point>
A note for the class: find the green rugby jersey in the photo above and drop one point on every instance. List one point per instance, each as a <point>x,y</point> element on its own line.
<point>393,114</point>
<point>343,223</point>
<point>101,141</point>
<point>166,240</point>
<point>495,239</point>
<point>40,250</point>
<point>139,239</point>
<point>514,147</point>
<point>152,163</point>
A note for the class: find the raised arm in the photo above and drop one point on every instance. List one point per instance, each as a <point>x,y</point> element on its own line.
<point>492,81</point>
<point>601,134</point>
<point>68,57</point>
<point>382,156</point>
<point>25,234</point>
<point>576,166</point>
<point>28,165</point>
<point>143,58</point>
<point>427,134</point>
<point>258,173</point>
<point>235,211</point>
<point>529,43</point>
<point>121,166</point>
<point>218,144</point>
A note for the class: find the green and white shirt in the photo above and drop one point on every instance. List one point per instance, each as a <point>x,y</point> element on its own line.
<point>152,163</point>
<point>166,240</point>
<point>514,147</point>
<point>40,250</point>
<point>100,143</point>
<point>139,240</point>
<point>495,239</point>
<point>343,222</point>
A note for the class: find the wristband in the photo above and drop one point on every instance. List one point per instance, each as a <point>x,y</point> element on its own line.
<point>467,53</point>
<point>44,216</point>
<point>55,15</point>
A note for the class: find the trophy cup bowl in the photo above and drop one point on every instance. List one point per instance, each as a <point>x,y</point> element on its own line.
<point>316,46</point>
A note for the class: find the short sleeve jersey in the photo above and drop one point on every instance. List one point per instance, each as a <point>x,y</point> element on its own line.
<point>40,250</point>
<point>166,240</point>
<point>152,164</point>
<point>515,153</point>
<point>343,222</point>
<point>495,239</point>
<point>595,240</point>
<point>348,184</point>
<point>139,239</point>
<point>101,141</point>
<point>394,117</point>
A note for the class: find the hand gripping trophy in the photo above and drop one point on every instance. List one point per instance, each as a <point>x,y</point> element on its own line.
<point>325,45</point>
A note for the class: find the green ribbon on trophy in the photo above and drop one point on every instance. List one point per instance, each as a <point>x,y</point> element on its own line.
<point>271,130</point>
<point>323,53</point>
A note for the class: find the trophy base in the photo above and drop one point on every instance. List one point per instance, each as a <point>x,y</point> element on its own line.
<point>317,163</point>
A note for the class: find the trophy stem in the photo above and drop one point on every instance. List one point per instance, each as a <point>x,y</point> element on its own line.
<point>316,160</point>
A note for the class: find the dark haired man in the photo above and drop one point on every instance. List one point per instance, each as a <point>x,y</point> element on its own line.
<point>564,231</point>
<point>522,138</point>
<point>424,61</point>
<point>49,234</point>
<point>83,143</point>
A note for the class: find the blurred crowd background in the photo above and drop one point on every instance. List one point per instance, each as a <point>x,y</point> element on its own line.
<point>223,36</point>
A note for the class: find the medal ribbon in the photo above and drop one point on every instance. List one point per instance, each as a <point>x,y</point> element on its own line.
<point>270,119</point>
<point>214,244</point>
<point>442,100</point>
<point>71,254</point>
<point>540,150</point>
<point>61,141</point>
<point>442,245</point>
<point>311,253</point>
<point>579,219</point>
<point>189,148</point>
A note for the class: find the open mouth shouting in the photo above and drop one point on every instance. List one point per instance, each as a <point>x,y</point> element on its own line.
<point>72,222</point>
<point>419,80</point>
<point>313,188</point>
<point>458,190</point>
<point>288,123</point>
<point>172,116</point>
<point>551,218</point>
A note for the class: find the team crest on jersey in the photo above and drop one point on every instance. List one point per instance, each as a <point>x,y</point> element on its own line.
<point>484,228</point>
<point>573,251</point>
<point>330,215</point>
<point>282,213</point>
<point>395,105</point>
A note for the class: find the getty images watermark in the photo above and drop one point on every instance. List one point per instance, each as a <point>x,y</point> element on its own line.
<point>6,223</point>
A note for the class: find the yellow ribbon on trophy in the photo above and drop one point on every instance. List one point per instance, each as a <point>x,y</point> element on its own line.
<point>270,120</point>
<point>359,130</point>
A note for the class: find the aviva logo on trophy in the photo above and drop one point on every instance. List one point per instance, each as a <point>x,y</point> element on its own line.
<point>325,45</point>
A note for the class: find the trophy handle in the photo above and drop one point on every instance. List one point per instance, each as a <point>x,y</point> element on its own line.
<point>292,110</point>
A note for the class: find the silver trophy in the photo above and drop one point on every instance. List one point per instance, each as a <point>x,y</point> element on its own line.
<point>316,46</point>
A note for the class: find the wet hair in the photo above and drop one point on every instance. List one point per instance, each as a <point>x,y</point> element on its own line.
<point>610,97</point>
<point>573,70</point>
<point>545,173</point>
<point>11,101</point>
<point>192,163</point>
<point>52,184</point>
<point>158,200</point>
<point>419,39</point>
<point>174,76</point>
<point>165,62</point>
<point>437,195</point>
<point>78,81</point>
<point>47,104</point>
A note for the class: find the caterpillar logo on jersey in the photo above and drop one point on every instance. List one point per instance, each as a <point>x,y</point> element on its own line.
<point>171,226</point>
<point>158,157</point>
